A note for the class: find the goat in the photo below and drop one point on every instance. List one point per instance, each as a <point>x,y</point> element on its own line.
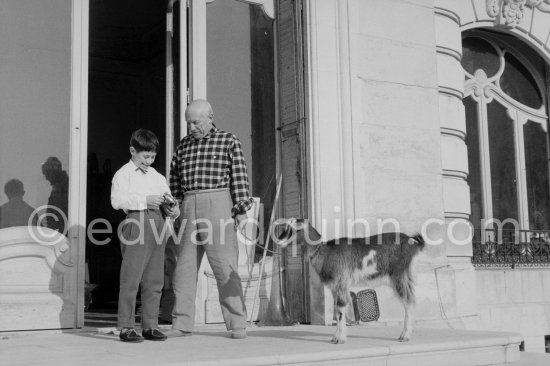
<point>340,263</point>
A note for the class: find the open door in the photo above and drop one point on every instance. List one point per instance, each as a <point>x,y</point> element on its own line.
<point>222,51</point>
<point>43,89</point>
<point>231,53</point>
<point>131,86</point>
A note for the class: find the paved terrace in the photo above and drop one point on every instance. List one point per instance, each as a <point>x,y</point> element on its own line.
<point>294,345</point>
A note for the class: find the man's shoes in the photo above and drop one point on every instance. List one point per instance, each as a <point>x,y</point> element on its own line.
<point>130,335</point>
<point>238,333</point>
<point>177,333</point>
<point>153,335</point>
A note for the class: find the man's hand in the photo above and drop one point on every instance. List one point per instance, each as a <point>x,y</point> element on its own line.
<point>154,201</point>
<point>240,221</point>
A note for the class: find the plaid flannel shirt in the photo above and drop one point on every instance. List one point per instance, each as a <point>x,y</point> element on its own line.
<point>214,161</point>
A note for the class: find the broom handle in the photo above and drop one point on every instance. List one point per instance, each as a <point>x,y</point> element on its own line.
<point>279,182</point>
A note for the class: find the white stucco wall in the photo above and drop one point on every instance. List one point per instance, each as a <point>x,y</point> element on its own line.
<point>387,141</point>
<point>515,300</point>
<point>376,143</point>
<point>35,92</point>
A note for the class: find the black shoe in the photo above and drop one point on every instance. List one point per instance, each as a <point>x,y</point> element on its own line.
<point>153,335</point>
<point>130,335</point>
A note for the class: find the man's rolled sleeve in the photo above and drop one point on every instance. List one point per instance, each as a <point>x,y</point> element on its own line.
<point>242,201</point>
<point>175,178</point>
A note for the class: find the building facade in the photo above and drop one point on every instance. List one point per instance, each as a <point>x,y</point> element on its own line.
<point>429,114</point>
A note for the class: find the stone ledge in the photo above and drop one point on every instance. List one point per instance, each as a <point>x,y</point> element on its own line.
<point>295,345</point>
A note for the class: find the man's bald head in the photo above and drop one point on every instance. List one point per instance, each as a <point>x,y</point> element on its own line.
<point>199,116</point>
<point>201,107</point>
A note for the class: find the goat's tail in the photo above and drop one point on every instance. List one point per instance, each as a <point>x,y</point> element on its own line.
<point>417,240</point>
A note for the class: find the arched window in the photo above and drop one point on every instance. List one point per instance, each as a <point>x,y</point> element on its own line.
<point>507,131</point>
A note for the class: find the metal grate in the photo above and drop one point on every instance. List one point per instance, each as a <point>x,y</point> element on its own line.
<point>367,304</point>
<point>511,248</point>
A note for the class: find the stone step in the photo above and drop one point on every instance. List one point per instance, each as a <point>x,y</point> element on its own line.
<point>294,345</point>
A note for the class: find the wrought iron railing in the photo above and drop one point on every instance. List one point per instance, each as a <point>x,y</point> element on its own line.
<point>511,248</point>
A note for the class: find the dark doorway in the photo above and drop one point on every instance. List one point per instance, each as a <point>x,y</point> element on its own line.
<point>126,92</point>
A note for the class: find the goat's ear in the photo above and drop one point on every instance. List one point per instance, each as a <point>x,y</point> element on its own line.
<point>313,234</point>
<point>297,224</point>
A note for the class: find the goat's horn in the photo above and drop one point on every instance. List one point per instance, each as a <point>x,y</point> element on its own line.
<point>283,243</point>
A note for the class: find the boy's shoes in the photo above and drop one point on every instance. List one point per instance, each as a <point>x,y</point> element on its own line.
<point>177,333</point>
<point>130,335</point>
<point>153,335</point>
<point>238,333</point>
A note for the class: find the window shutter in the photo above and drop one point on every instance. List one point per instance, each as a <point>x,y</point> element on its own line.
<point>292,129</point>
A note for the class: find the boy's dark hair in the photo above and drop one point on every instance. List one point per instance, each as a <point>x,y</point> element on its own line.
<point>144,140</point>
<point>14,188</point>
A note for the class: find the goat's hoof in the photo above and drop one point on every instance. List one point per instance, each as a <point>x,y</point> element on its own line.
<point>337,340</point>
<point>403,339</point>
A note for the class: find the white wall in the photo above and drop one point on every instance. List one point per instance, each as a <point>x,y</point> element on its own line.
<point>39,270</point>
<point>515,300</point>
<point>376,141</point>
<point>35,85</point>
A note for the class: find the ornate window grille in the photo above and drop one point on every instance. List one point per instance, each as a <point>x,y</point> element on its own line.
<point>511,248</point>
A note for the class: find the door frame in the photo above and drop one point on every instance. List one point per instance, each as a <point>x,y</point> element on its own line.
<point>78,164</point>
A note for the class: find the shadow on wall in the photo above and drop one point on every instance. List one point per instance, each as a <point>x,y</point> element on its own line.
<point>36,257</point>
<point>15,212</point>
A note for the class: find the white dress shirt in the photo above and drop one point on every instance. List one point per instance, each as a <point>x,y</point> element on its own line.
<point>131,186</point>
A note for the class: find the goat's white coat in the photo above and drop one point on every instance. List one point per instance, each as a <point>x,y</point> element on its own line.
<point>366,268</point>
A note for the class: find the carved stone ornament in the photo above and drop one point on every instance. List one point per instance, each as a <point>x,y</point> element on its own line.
<point>509,13</point>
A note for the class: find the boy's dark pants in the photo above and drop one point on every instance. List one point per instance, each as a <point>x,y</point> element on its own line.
<point>142,264</point>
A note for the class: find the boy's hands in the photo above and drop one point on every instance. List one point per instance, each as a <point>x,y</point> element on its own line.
<point>157,201</point>
<point>173,212</point>
<point>154,201</point>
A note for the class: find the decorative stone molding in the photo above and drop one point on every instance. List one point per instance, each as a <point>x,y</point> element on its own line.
<point>509,13</point>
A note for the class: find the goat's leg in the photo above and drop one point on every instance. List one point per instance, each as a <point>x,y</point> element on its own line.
<point>407,323</point>
<point>404,288</point>
<point>341,297</point>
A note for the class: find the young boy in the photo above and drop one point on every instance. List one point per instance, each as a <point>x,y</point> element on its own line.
<point>142,193</point>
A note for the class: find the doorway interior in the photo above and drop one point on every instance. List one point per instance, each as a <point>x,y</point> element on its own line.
<point>127,91</point>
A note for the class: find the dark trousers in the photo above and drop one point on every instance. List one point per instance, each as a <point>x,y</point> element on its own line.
<point>208,228</point>
<point>142,264</point>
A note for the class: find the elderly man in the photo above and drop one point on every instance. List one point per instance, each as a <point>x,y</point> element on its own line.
<point>208,178</point>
